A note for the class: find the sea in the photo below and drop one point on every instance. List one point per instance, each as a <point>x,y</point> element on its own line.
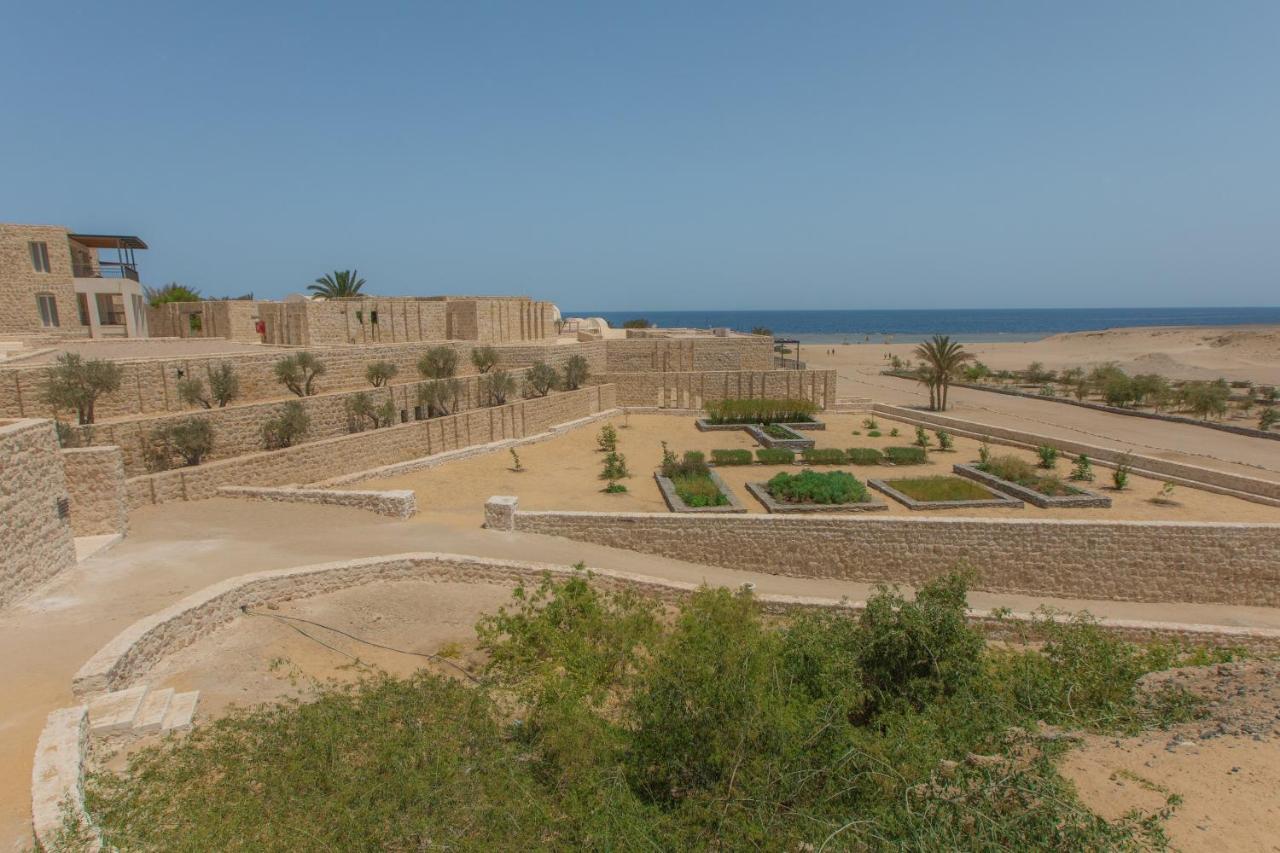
<point>966,325</point>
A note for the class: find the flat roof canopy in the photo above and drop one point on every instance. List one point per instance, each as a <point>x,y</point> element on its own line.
<point>109,241</point>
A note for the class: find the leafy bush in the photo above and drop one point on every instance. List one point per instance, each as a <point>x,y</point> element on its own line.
<point>760,411</point>
<point>1269,418</point>
<point>1120,475</point>
<point>484,359</point>
<point>361,407</point>
<point>576,372</point>
<point>1205,399</point>
<point>190,438</point>
<point>945,441</point>
<point>864,456</point>
<point>1048,456</point>
<point>379,373</point>
<point>1082,470</point>
<point>824,456</point>
<point>637,323</point>
<point>540,379</point>
<point>439,396</point>
<point>287,428</point>
<point>699,490</point>
<point>439,363</point>
<point>893,433</point>
<point>870,423</point>
<point>224,386</point>
<point>77,384</point>
<point>731,457</point>
<point>922,437</point>
<point>693,464</point>
<point>831,487</point>
<point>615,467</point>
<point>874,433</point>
<point>905,455</point>
<point>615,488</point>
<point>984,453</point>
<point>775,455</point>
<point>607,439</point>
<point>1020,471</point>
<point>495,387</point>
<point>298,372</point>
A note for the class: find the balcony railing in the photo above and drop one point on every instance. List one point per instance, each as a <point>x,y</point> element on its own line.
<point>105,269</point>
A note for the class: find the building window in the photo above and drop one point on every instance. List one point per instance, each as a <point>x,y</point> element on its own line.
<point>48,310</point>
<point>39,256</point>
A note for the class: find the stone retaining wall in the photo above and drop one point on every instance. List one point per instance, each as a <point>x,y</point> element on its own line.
<point>96,486</point>
<point>1119,560</point>
<point>332,457</point>
<point>694,389</point>
<point>396,503</point>
<point>35,536</point>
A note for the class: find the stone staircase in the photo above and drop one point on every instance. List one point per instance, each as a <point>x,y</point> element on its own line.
<point>141,710</point>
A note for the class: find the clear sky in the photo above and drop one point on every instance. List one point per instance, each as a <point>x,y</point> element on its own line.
<point>664,155</point>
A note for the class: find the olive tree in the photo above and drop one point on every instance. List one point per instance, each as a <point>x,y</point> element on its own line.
<point>576,372</point>
<point>540,379</point>
<point>484,358</point>
<point>379,373</point>
<point>298,372</point>
<point>77,384</point>
<point>439,363</point>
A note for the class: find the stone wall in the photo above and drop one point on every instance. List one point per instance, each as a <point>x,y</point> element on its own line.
<point>369,320</point>
<point>95,484</point>
<point>1121,560</point>
<point>333,457</point>
<point>230,319</point>
<point>693,390</point>
<point>35,537</point>
<point>747,352</point>
<point>237,429</point>
<point>19,281</point>
<point>395,503</point>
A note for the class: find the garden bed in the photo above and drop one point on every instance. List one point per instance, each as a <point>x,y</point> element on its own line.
<point>941,492</point>
<point>705,425</point>
<point>821,487</point>
<point>1080,498</point>
<point>676,504</point>
<point>787,436</point>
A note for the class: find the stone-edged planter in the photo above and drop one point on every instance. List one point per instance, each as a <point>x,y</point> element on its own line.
<point>675,504</point>
<point>705,426</point>
<point>796,442</point>
<point>761,493</point>
<point>1086,498</point>
<point>996,499</point>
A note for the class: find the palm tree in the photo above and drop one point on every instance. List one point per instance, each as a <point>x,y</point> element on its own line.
<point>941,359</point>
<point>337,284</point>
<point>171,292</point>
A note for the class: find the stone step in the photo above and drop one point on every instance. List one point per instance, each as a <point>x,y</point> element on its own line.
<point>182,709</point>
<point>116,712</point>
<point>152,713</point>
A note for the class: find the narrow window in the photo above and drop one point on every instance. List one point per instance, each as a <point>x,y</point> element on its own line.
<point>39,256</point>
<point>48,310</point>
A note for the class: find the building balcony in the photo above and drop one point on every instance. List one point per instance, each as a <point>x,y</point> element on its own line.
<point>105,269</point>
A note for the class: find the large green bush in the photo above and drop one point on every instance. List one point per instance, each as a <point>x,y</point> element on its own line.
<point>913,455</point>
<point>599,723</point>
<point>775,455</point>
<point>824,456</point>
<point>731,457</point>
<point>810,487</point>
<point>760,411</point>
<point>865,456</point>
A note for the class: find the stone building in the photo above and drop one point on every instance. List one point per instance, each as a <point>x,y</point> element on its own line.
<point>56,283</point>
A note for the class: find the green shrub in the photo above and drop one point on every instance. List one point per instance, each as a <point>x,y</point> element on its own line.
<point>874,433</point>
<point>495,387</point>
<point>439,396</point>
<point>775,455</point>
<point>287,428</point>
<point>693,464</point>
<point>831,487</point>
<point>439,363</point>
<point>870,423</point>
<point>224,386</point>
<point>77,384</point>
<point>893,433</point>
<point>615,488</point>
<point>607,439</point>
<point>1011,468</point>
<point>945,441</point>
<point>540,379</point>
<point>984,453</point>
<point>361,407</point>
<point>1120,475</point>
<point>576,372</point>
<point>824,456</point>
<point>760,411</point>
<point>905,455</point>
<point>298,372</point>
<point>1048,456</point>
<point>190,438</point>
<point>1269,418</point>
<point>922,437</point>
<point>615,467</point>
<point>484,359</point>
<point>379,373</point>
<point>698,490</point>
<point>1083,469</point>
<point>865,456</point>
<point>731,457</point>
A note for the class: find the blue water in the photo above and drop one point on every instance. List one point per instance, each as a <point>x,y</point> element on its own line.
<point>906,326</point>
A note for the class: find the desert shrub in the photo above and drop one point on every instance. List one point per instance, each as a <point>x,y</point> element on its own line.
<point>607,438</point>
<point>905,455</point>
<point>945,441</point>
<point>191,392</point>
<point>1120,474</point>
<point>615,488</point>
<point>439,396</point>
<point>731,457</point>
<point>922,437</point>
<point>1205,399</point>
<point>824,456</point>
<point>439,363</point>
<point>287,428</point>
<point>361,408</point>
<point>984,453</point>
<point>1083,469</point>
<point>77,384</point>
<point>379,373</point>
<point>692,464</point>
<point>637,323</point>
<point>870,423</point>
<point>830,487</point>
<point>1048,456</point>
<point>1036,374</point>
<point>540,379</point>
<point>760,411</point>
<point>893,433</point>
<point>1117,390</point>
<point>1269,418</point>
<point>864,456</point>
<point>495,387</point>
<point>615,467</point>
<point>298,372</point>
<point>1150,388</point>
<point>190,438</point>
<point>775,455</point>
<point>484,359</point>
<point>576,372</point>
<point>857,432</point>
<point>874,433</point>
<point>1011,468</point>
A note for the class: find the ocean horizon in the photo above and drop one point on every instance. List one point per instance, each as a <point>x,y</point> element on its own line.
<point>984,325</point>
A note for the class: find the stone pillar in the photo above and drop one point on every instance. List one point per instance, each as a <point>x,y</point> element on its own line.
<point>500,512</point>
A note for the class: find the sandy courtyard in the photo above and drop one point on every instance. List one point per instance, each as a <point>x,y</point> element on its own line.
<point>563,473</point>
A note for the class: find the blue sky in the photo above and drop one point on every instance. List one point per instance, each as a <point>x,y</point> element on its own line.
<point>665,155</point>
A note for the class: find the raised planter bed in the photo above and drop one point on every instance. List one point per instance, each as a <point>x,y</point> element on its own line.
<point>705,426</point>
<point>996,499</point>
<point>675,504</point>
<point>794,441</point>
<point>1085,498</point>
<point>761,493</point>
